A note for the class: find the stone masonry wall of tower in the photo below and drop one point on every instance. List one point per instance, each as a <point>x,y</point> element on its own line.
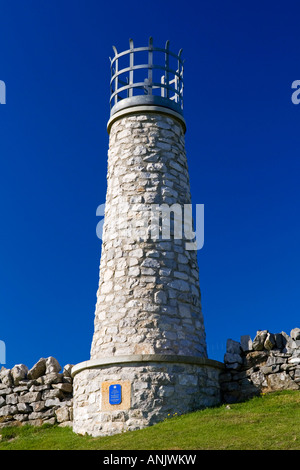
<point>148,301</point>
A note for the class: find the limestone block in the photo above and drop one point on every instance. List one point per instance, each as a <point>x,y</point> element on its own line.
<point>24,408</point>
<point>38,369</point>
<point>62,414</point>
<point>12,399</point>
<point>273,360</point>
<point>52,365</point>
<point>52,402</point>
<point>246,343</point>
<point>233,358</point>
<point>19,372</point>
<point>258,342</point>
<point>281,381</point>
<point>6,377</point>
<point>270,341</point>
<point>8,410</point>
<point>30,397</point>
<point>295,334</point>
<point>233,347</point>
<point>5,390</point>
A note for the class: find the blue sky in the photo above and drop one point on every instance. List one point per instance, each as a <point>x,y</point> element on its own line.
<point>242,145</point>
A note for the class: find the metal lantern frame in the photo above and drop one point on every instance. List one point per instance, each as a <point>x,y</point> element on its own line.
<point>126,91</point>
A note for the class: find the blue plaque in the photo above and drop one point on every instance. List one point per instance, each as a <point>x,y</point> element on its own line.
<point>115,394</point>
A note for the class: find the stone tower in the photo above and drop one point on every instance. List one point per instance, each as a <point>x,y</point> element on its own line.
<point>148,355</point>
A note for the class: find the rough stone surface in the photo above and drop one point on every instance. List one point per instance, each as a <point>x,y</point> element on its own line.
<point>155,389</point>
<point>18,372</point>
<point>146,283</point>
<point>295,334</point>
<point>233,347</point>
<point>270,341</point>
<point>33,396</point>
<point>246,343</point>
<point>259,340</point>
<point>273,364</point>
<point>38,369</point>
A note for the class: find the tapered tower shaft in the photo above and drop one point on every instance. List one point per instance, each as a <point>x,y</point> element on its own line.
<point>148,354</point>
<point>149,297</point>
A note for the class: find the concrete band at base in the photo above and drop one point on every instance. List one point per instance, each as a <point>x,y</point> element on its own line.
<point>146,109</point>
<point>168,358</point>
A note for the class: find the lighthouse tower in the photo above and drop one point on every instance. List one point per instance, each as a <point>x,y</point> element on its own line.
<point>148,354</point>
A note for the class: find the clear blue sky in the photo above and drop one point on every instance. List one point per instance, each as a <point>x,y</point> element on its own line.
<point>242,145</point>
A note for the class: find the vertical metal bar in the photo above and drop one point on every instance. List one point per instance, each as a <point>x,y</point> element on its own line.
<point>167,68</point>
<point>182,86</point>
<point>111,87</point>
<point>116,81</point>
<point>162,89</point>
<point>176,92</point>
<point>116,71</point>
<point>131,64</point>
<point>150,64</point>
<point>180,83</point>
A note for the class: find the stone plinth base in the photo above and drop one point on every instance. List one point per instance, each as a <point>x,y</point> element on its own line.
<point>153,388</point>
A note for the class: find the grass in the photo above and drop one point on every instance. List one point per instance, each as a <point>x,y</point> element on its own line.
<point>267,422</point>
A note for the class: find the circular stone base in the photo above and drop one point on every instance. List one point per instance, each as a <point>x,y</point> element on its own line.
<point>150,392</point>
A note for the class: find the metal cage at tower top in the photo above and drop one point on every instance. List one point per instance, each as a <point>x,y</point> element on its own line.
<point>146,76</point>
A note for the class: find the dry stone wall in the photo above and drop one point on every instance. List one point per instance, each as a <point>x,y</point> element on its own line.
<point>269,363</point>
<point>44,394</point>
<point>40,395</point>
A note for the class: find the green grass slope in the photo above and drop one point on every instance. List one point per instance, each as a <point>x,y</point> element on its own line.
<point>268,422</point>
